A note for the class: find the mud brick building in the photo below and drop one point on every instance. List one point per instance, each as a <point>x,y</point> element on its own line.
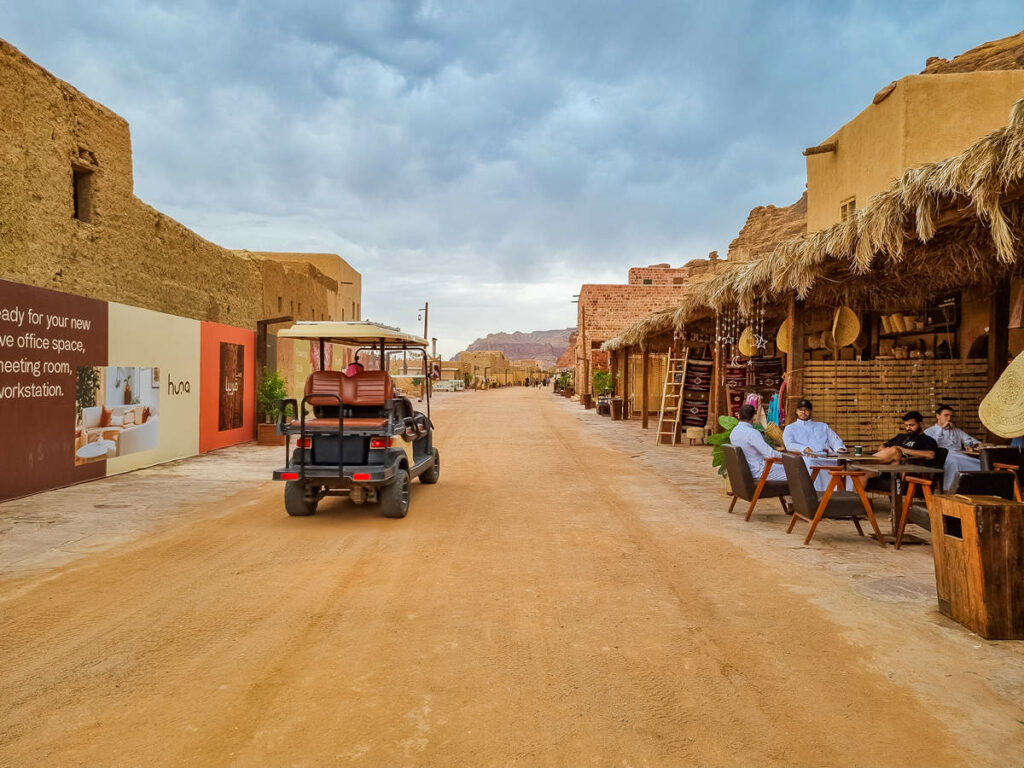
<point>605,311</point>
<point>71,221</point>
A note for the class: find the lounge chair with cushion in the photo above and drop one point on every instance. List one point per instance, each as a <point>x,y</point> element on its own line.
<point>832,503</point>
<point>743,484</point>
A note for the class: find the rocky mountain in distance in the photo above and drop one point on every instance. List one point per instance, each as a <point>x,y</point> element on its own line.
<point>546,346</point>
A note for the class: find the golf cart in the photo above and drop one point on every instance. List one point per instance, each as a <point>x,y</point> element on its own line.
<point>355,436</point>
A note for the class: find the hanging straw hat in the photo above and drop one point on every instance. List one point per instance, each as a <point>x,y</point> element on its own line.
<point>782,337</point>
<point>1002,410</point>
<point>845,327</point>
<point>747,348</point>
<point>772,430</point>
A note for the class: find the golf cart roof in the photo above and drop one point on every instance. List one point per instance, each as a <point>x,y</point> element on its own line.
<point>356,333</point>
<point>353,333</point>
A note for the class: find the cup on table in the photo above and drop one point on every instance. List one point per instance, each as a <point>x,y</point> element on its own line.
<point>858,450</point>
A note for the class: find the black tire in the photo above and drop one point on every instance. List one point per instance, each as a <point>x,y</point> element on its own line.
<point>394,498</point>
<point>433,474</point>
<point>295,501</point>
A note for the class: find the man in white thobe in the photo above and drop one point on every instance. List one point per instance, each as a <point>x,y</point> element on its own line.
<point>955,441</point>
<point>755,448</point>
<point>807,436</point>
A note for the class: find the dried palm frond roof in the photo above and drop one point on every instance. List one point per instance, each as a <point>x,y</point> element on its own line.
<point>893,249</point>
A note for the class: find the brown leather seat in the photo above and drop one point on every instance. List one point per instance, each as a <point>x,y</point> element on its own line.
<point>325,383</point>
<point>367,388</point>
<point>366,393</point>
<point>353,422</point>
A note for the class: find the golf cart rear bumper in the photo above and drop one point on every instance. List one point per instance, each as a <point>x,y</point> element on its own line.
<point>352,475</point>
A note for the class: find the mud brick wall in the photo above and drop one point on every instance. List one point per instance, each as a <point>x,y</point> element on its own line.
<point>605,311</point>
<point>118,248</point>
<point>658,274</point>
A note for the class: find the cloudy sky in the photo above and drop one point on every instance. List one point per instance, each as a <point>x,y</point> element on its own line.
<point>487,157</point>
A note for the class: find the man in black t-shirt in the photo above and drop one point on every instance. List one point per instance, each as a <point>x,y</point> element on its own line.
<point>913,443</point>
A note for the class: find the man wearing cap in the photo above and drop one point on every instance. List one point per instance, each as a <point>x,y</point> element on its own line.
<point>809,437</point>
<point>755,448</point>
<point>955,441</point>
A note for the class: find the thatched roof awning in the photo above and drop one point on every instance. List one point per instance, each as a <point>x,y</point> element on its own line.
<point>974,198</point>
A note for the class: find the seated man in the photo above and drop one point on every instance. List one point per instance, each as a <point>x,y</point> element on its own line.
<point>808,436</point>
<point>955,441</point>
<point>912,443</point>
<point>755,449</point>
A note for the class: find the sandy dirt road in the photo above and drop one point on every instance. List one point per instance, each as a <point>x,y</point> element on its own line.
<point>546,604</point>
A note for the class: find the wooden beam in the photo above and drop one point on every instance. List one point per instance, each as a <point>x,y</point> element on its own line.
<point>822,149</point>
<point>625,384</point>
<point>644,388</point>
<point>717,371</point>
<point>795,356</point>
<point>998,337</point>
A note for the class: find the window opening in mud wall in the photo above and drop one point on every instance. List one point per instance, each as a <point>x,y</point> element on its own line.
<point>280,303</point>
<point>83,189</point>
<point>648,281</point>
<point>678,280</point>
<point>847,208</point>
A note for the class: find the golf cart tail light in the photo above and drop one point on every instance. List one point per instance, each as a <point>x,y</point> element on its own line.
<point>289,475</point>
<point>304,442</point>
<point>380,442</point>
<point>361,476</point>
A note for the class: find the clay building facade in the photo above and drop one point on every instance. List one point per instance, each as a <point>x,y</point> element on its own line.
<point>605,311</point>
<point>915,120</point>
<point>71,221</point>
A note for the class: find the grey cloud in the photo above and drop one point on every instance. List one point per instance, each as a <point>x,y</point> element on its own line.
<point>532,145</point>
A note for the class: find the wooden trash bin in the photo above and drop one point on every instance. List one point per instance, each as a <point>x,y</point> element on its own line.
<point>978,545</point>
<point>616,403</point>
<point>587,400</point>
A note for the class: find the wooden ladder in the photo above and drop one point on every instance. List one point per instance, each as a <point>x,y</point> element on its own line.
<point>671,414</point>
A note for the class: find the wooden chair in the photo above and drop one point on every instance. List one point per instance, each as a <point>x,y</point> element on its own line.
<point>1013,469</point>
<point>912,484</point>
<point>834,503</point>
<point>742,481</point>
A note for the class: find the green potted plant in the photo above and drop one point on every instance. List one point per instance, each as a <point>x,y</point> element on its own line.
<point>272,389</point>
<point>604,384</point>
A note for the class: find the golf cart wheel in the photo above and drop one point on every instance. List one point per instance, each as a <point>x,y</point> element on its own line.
<point>433,474</point>
<point>394,498</point>
<point>295,501</point>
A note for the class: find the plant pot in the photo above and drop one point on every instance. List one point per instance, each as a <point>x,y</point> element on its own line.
<point>266,434</point>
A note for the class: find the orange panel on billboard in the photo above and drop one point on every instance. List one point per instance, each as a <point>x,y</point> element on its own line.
<point>227,374</point>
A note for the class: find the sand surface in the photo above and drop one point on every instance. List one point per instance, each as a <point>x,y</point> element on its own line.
<point>551,602</point>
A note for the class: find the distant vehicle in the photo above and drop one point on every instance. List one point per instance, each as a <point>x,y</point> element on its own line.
<point>355,436</point>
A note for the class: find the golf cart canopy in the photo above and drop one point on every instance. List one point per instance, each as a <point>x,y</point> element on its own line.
<point>353,334</point>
